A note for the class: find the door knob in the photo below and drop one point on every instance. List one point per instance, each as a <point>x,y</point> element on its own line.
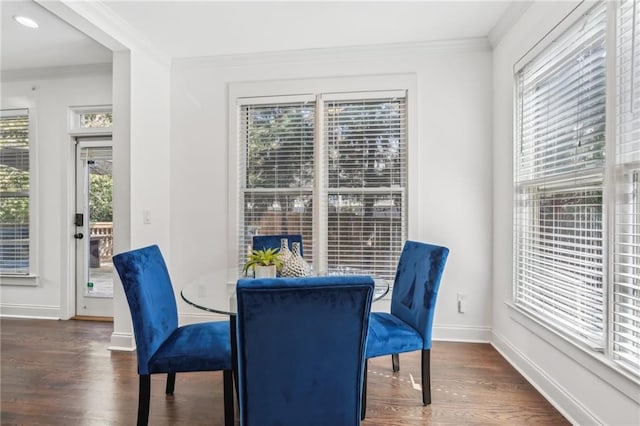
<point>79,235</point>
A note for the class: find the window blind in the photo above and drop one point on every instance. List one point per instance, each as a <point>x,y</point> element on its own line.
<point>366,180</point>
<point>277,170</point>
<point>625,300</point>
<point>559,172</point>
<point>329,166</point>
<point>14,191</point>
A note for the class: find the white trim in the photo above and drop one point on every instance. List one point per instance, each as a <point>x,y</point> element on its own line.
<point>122,342</point>
<point>457,333</point>
<point>320,217</point>
<point>29,278</point>
<point>67,244</point>
<point>552,391</point>
<point>593,361</point>
<point>347,54</point>
<point>34,194</point>
<point>57,72</point>
<point>19,280</point>
<point>507,20</point>
<point>260,100</point>
<point>14,310</point>
<point>369,94</point>
<point>102,143</point>
<point>609,175</point>
<point>74,113</point>
<point>13,112</point>
<point>234,155</point>
<point>101,23</point>
<point>564,24</point>
<point>239,91</point>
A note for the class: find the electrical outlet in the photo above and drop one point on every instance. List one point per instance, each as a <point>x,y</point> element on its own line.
<point>146,216</point>
<point>462,303</point>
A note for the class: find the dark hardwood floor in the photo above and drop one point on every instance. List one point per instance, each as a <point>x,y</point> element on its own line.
<point>60,373</point>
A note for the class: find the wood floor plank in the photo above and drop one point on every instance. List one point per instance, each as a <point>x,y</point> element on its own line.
<point>61,373</point>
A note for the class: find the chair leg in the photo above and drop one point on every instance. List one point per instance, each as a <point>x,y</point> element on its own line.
<point>171,383</point>
<point>144,395</point>
<point>395,361</point>
<point>363,408</point>
<point>426,376</point>
<point>227,380</point>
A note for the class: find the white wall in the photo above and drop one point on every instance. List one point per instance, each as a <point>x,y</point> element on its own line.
<point>49,99</point>
<point>141,138</point>
<point>579,384</point>
<point>452,184</point>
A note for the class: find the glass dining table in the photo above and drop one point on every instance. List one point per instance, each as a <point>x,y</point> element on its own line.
<point>205,295</point>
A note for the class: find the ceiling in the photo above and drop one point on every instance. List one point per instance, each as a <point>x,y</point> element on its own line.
<point>182,29</point>
<point>53,44</point>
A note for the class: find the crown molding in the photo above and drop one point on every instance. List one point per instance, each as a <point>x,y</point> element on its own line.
<point>56,72</point>
<point>101,23</point>
<point>353,53</point>
<point>507,20</point>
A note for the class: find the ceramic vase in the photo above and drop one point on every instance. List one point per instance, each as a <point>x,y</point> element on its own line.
<point>285,253</point>
<point>296,266</point>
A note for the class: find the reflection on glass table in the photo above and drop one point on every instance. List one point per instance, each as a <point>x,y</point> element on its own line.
<point>208,295</point>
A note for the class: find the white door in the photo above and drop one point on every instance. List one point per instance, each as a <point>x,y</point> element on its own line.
<point>94,228</point>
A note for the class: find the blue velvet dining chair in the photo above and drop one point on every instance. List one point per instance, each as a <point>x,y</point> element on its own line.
<point>162,346</point>
<point>260,242</point>
<point>409,325</point>
<point>301,349</point>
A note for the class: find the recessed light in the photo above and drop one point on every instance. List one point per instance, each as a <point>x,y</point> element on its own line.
<point>27,22</point>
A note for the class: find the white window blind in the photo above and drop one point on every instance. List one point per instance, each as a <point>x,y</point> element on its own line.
<point>331,167</point>
<point>277,170</point>
<point>14,191</point>
<point>625,301</point>
<point>366,145</point>
<point>559,172</point>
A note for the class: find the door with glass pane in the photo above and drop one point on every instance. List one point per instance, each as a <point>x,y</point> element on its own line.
<point>94,228</point>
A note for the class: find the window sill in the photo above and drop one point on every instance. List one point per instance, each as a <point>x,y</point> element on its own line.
<point>592,360</point>
<point>19,280</point>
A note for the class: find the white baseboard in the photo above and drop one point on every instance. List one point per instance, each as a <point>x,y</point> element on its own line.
<point>557,396</point>
<point>122,342</point>
<point>456,333</point>
<point>30,311</point>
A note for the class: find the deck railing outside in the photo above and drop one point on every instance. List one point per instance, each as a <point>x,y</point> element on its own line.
<point>103,233</point>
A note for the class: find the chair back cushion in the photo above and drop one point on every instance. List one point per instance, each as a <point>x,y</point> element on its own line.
<point>301,349</point>
<point>152,303</point>
<point>415,288</point>
<point>273,241</point>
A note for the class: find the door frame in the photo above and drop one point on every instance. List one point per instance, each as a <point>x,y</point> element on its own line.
<point>84,142</point>
<point>67,242</point>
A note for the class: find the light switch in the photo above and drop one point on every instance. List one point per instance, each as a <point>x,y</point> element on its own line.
<point>146,216</point>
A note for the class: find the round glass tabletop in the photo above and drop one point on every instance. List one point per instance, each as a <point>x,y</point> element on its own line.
<point>206,295</point>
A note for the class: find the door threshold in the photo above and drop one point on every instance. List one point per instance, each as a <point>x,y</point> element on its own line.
<point>92,318</point>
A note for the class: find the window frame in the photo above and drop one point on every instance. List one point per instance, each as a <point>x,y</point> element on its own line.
<point>596,356</point>
<point>311,87</point>
<point>74,116</point>
<point>31,277</point>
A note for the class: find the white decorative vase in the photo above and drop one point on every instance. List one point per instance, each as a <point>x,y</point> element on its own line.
<point>261,271</point>
<point>296,266</point>
<point>285,253</point>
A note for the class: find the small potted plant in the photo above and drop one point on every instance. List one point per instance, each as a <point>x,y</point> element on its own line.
<point>264,263</point>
